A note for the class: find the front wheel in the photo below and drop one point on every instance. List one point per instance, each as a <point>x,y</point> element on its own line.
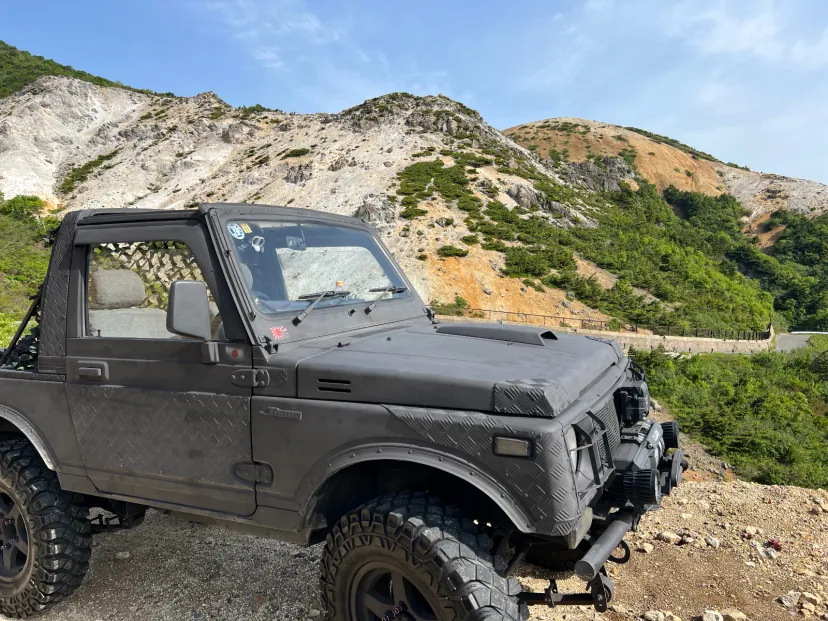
<point>45,535</point>
<point>408,556</point>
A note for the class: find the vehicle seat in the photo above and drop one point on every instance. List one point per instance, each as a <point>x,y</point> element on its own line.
<point>114,296</point>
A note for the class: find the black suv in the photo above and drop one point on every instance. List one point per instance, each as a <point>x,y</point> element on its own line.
<point>274,371</point>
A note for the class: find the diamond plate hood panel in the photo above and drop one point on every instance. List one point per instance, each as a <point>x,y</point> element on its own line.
<point>419,367</point>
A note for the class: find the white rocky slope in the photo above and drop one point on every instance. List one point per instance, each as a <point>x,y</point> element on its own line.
<point>162,152</point>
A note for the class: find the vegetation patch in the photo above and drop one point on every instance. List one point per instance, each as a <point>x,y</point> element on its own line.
<point>452,251</point>
<point>19,68</point>
<point>79,174</point>
<point>674,143</point>
<point>296,153</point>
<point>456,308</point>
<point>764,413</point>
<point>24,257</point>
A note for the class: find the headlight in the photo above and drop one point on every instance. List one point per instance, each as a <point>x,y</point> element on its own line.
<point>572,446</point>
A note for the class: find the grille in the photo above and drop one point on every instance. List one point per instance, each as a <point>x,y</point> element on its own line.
<point>610,419</point>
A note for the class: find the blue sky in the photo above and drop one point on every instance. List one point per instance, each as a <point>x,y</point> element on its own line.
<point>744,80</point>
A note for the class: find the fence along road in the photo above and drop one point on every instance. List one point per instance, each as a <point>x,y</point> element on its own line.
<point>672,338</point>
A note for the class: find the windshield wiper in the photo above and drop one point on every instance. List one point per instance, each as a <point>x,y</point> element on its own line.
<point>382,291</point>
<point>317,298</point>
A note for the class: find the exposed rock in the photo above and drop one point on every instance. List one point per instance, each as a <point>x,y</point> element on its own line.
<point>377,210</point>
<point>654,615</point>
<point>237,133</point>
<point>712,615</point>
<point>601,178</point>
<point>123,555</point>
<point>811,598</point>
<point>525,196</point>
<point>669,537</point>
<point>339,163</point>
<point>298,174</point>
<point>790,599</point>
<point>712,542</point>
<point>646,548</point>
<point>731,614</point>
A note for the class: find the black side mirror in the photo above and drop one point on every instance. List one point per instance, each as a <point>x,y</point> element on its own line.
<point>188,312</point>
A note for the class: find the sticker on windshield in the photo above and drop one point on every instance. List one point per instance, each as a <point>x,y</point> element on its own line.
<point>246,227</point>
<point>279,332</point>
<point>235,230</point>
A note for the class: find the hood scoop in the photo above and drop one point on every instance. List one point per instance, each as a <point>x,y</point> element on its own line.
<point>500,332</point>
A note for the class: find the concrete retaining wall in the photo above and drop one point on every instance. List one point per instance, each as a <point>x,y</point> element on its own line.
<point>653,341</point>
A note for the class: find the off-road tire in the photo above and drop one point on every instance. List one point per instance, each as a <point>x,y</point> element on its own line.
<point>59,535</point>
<point>448,555</point>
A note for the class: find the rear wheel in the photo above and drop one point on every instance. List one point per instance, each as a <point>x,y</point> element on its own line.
<point>410,557</point>
<point>44,532</point>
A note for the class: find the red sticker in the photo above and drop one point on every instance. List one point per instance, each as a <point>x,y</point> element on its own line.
<point>279,332</point>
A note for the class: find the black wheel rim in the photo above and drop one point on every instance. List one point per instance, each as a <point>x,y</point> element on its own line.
<point>14,538</point>
<point>387,593</point>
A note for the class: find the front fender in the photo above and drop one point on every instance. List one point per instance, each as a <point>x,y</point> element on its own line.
<point>434,458</point>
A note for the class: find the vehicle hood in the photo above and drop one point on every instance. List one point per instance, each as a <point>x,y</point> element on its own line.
<point>467,366</point>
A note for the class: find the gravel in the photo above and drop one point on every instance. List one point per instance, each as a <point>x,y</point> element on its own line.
<point>171,569</point>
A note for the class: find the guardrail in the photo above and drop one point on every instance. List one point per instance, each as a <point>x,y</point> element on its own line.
<point>612,325</point>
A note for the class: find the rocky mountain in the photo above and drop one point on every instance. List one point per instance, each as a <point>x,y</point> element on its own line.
<point>664,162</point>
<point>81,145</point>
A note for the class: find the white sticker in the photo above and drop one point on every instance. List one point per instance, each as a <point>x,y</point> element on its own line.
<point>235,230</point>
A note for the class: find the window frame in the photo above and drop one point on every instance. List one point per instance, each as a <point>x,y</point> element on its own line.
<point>191,233</point>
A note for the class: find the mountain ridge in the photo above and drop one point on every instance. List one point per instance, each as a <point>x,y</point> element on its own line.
<point>664,162</point>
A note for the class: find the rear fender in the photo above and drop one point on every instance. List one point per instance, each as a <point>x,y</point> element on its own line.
<point>19,421</point>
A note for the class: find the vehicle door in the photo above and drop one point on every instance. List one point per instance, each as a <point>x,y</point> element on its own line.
<point>157,416</point>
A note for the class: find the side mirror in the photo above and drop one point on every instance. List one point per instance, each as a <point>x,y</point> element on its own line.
<point>188,312</point>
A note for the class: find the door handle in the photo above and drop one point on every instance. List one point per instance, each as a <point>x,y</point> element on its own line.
<point>93,369</point>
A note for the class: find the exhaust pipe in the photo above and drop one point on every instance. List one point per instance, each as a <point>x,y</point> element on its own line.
<point>592,562</point>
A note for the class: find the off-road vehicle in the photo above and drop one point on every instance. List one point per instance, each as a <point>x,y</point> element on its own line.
<point>274,371</point>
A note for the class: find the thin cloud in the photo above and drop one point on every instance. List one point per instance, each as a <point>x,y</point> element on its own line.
<point>811,55</point>
<point>716,29</point>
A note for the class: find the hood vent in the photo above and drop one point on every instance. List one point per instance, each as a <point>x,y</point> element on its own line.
<point>333,385</point>
<point>500,332</point>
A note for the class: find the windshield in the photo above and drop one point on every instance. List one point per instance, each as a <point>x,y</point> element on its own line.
<point>285,266</point>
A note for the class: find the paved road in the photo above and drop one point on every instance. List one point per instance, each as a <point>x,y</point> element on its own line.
<point>789,342</point>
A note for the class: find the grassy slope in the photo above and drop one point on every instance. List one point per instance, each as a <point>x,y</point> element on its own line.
<point>19,68</point>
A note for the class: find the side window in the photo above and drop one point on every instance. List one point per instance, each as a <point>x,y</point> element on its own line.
<point>128,286</point>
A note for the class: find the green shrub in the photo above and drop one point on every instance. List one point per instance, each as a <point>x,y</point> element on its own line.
<point>296,153</point>
<point>456,308</point>
<point>411,212</point>
<point>21,207</point>
<point>79,174</point>
<point>470,239</point>
<point>451,251</point>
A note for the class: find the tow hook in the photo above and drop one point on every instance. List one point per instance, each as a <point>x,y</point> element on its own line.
<point>599,595</point>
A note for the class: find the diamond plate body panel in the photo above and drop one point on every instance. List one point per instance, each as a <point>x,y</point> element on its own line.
<point>530,397</point>
<point>544,485</point>
<point>610,419</point>
<point>56,292</point>
<point>192,437</point>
